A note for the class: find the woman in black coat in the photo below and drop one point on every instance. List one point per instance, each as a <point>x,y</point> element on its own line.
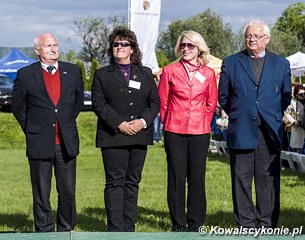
<point>126,102</point>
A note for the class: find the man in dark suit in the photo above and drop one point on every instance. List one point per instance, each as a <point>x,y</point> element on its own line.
<point>47,98</point>
<point>255,90</point>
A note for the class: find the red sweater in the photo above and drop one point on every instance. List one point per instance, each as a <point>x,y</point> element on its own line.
<point>53,87</point>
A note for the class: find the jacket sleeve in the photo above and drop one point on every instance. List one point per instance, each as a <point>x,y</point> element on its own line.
<point>163,90</point>
<point>212,97</point>
<point>100,106</point>
<point>19,103</point>
<point>223,88</point>
<point>153,102</point>
<point>286,88</point>
<point>79,97</point>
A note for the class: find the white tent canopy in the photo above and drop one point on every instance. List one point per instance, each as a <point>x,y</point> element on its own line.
<point>297,64</point>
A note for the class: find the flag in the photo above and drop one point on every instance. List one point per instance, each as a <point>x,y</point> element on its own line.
<point>144,19</point>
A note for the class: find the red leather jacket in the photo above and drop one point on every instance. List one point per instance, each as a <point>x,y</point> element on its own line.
<point>187,107</point>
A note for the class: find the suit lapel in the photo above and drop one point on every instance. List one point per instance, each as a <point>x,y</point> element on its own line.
<point>135,73</point>
<point>244,61</point>
<point>64,77</point>
<point>267,66</point>
<point>38,76</point>
<point>181,69</point>
<point>116,73</point>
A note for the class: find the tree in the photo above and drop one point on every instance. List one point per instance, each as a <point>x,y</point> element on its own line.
<point>283,43</point>
<point>162,59</point>
<point>292,21</point>
<point>94,66</point>
<point>218,36</point>
<point>87,85</point>
<point>94,32</point>
<point>70,56</point>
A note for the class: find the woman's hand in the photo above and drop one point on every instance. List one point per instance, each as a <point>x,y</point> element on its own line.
<point>132,127</point>
<point>137,125</point>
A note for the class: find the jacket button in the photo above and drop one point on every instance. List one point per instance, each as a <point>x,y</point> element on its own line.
<point>131,104</point>
<point>53,125</point>
<point>132,117</point>
<point>56,110</point>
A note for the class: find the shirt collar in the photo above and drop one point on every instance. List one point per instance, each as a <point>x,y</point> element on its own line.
<point>261,55</point>
<point>44,66</point>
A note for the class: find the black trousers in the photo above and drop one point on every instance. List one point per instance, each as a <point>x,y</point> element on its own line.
<point>41,176</point>
<point>263,164</point>
<point>186,161</point>
<point>123,168</point>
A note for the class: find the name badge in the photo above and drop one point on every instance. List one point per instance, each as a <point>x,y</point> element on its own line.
<point>200,77</point>
<point>134,84</point>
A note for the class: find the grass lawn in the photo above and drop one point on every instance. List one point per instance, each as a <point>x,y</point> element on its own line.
<point>16,198</point>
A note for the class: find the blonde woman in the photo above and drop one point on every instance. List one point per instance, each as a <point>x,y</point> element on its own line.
<point>188,97</point>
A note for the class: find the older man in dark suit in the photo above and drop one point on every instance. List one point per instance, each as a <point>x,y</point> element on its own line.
<point>47,98</point>
<point>255,90</point>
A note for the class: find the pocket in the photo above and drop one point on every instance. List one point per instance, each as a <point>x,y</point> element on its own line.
<point>279,117</point>
<point>32,129</point>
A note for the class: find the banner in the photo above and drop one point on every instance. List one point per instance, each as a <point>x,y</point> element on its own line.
<point>144,18</point>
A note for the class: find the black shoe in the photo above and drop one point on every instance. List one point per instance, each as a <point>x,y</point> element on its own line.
<point>178,229</point>
<point>193,229</point>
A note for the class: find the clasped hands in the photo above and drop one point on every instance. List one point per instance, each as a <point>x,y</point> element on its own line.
<point>132,127</point>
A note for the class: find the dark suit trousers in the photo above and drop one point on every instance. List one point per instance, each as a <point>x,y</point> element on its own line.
<point>262,164</point>
<point>186,160</point>
<point>41,176</point>
<point>123,168</point>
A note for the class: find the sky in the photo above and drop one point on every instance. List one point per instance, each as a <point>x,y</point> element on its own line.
<point>22,20</point>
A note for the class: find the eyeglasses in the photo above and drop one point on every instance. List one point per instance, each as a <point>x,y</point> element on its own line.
<point>254,37</point>
<point>301,94</point>
<point>189,46</point>
<point>123,44</point>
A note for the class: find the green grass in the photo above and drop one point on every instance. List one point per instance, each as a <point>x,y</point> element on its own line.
<point>16,198</point>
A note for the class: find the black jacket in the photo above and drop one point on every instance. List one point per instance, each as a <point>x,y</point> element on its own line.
<point>114,101</point>
<point>36,113</point>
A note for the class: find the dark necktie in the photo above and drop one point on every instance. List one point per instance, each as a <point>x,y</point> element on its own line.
<point>50,68</point>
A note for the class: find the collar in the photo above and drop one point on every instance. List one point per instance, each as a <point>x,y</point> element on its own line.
<point>44,66</point>
<point>261,55</point>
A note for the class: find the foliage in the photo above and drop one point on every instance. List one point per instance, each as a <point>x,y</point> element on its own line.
<point>162,59</point>
<point>217,35</point>
<point>292,21</point>
<point>238,42</point>
<point>69,56</point>
<point>94,66</point>
<point>82,66</point>
<point>168,38</point>
<point>94,32</point>
<point>283,43</point>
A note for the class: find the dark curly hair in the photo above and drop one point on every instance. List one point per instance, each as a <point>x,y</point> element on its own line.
<point>124,33</point>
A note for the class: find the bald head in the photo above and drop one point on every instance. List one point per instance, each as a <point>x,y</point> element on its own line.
<point>46,48</point>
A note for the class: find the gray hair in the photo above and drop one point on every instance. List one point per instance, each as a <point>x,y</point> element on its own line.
<point>267,31</point>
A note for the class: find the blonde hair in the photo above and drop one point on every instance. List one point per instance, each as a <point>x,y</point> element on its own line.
<point>198,40</point>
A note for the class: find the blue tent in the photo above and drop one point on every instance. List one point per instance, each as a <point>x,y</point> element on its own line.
<point>13,61</point>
